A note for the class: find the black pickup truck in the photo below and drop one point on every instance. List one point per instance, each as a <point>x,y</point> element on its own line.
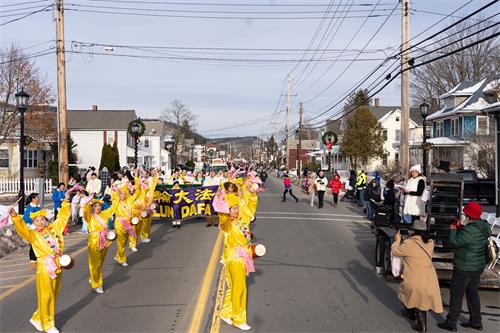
<point>476,188</point>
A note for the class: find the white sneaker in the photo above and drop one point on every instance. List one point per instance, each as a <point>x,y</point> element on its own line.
<point>37,325</point>
<point>52,330</point>
<point>133,249</point>
<point>146,240</point>
<point>244,327</point>
<point>228,321</point>
<point>312,205</point>
<point>124,264</point>
<point>99,290</point>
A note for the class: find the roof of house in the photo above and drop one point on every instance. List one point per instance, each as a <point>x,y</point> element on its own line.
<point>100,119</point>
<point>381,112</point>
<point>475,103</point>
<point>465,88</point>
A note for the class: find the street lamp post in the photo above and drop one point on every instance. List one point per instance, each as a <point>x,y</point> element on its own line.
<point>424,108</point>
<point>22,99</point>
<point>136,130</point>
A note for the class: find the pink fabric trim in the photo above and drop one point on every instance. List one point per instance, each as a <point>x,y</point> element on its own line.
<point>128,227</point>
<point>103,234</point>
<point>51,266</point>
<point>240,252</point>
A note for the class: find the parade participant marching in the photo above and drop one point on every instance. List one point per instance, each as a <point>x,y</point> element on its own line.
<point>98,242</point>
<point>237,257</point>
<point>48,244</point>
<point>123,225</point>
<point>32,206</point>
<point>150,186</point>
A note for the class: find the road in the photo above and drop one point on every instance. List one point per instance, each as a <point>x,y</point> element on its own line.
<point>316,277</point>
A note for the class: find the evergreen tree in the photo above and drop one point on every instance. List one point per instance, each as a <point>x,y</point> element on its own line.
<point>116,158</point>
<point>363,138</point>
<point>107,158</point>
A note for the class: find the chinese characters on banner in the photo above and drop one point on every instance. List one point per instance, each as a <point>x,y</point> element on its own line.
<point>186,202</point>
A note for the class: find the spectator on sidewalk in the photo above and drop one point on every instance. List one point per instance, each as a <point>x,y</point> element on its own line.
<point>58,197</point>
<point>94,185</point>
<point>105,180</point>
<point>372,196</point>
<point>321,183</point>
<point>419,292</point>
<point>390,201</point>
<point>361,186</point>
<point>470,258</point>
<point>288,188</point>
<point>413,190</point>
<point>212,180</point>
<point>335,185</point>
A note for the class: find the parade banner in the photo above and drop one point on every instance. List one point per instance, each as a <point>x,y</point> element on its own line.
<point>185,202</point>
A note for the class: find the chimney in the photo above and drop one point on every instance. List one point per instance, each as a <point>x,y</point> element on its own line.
<point>94,108</point>
<point>377,102</point>
<point>434,103</point>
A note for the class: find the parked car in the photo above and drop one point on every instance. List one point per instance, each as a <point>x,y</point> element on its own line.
<point>476,188</point>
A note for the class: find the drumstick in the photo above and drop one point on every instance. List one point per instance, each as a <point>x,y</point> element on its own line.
<point>12,206</point>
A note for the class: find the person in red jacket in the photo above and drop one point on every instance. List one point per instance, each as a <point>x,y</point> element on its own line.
<point>335,185</point>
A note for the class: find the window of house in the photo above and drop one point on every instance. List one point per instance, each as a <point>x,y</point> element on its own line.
<point>428,131</point>
<point>397,118</point>
<point>454,127</point>
<point>30,159</point>
<point>450,102</point>
<point>398,135</point>
<point>439,129</point>
<point>384,133</point>
<point>482,125</point>
<point>4,158</point>
<point>146,143</point>
<point>384,159</point>
<point>130,160</point>
<point>110,137</point>
<point>396,158</point>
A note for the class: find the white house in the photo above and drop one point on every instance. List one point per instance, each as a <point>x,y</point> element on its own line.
<point>91,129</point>
<point>154,144</point>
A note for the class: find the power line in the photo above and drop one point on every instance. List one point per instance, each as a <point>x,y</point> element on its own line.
<point>223,4</point>
<point>24,16</point>
<point>22,3</point>
<point>34,55</point>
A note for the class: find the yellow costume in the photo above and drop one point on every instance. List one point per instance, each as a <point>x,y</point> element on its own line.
<point>237,256</point>
<point>145,230</point>
<point>123,226</point>
<point>98,243</point>
<point>47,264</point>
<point>138,207</point>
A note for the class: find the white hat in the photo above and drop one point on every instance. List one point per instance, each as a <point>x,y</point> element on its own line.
<point>416,168</point>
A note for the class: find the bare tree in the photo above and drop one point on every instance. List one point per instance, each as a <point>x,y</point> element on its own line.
<point>472,64</point>
<point>481,154</point>
<point>16,72</point>
<point>181,122</point>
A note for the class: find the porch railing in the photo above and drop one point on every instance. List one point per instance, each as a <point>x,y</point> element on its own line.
<point>11,186</point>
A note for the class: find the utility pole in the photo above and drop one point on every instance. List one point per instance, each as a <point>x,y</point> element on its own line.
<point>288,107</point>
<point>299,146</point>
<point>61,94</point>
<point>405,89</point>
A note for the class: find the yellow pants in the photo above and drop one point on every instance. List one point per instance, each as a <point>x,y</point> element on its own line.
<point>235,301</point>
<point>96,260</point>
<point>132,241</point>
<point>121,242</point>
<point>47,290</point>
<point>145,230</point>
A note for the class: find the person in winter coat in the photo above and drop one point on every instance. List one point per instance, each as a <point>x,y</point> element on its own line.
<point>335,185</point>
<point>58,197</point>
<point>352,179</point>
<point>390,201</point>
<point>373,195</point>
<point>321,183</point>
<point>311,186</point>
<point>413,190</point>
<point>32,206</point>
<point>288,188</point>
<point>469,248</point>
<point>361,186</point>
<point>419,292</point>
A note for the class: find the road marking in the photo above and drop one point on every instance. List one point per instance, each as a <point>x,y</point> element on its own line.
<point>31,278</point>
<point>25,263</point>
<point>7,286</point>
<point>15,277</point>
<point>16,270</point>
<point>219,300</point>
<point>309,218</point>
<point>313,214</point>
<point>206,283</point>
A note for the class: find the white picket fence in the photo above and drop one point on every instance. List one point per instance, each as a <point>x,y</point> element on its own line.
<point>11,186</point>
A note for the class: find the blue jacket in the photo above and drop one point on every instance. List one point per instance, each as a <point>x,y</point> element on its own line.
<point>29,209</point>
<point>58,198</point>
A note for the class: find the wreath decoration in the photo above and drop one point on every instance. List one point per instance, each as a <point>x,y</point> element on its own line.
<point>141,125</point>
<point>329,139</point>
<point>211,152</point>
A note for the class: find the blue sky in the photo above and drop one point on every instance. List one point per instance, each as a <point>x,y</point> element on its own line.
<point>221,94</point>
